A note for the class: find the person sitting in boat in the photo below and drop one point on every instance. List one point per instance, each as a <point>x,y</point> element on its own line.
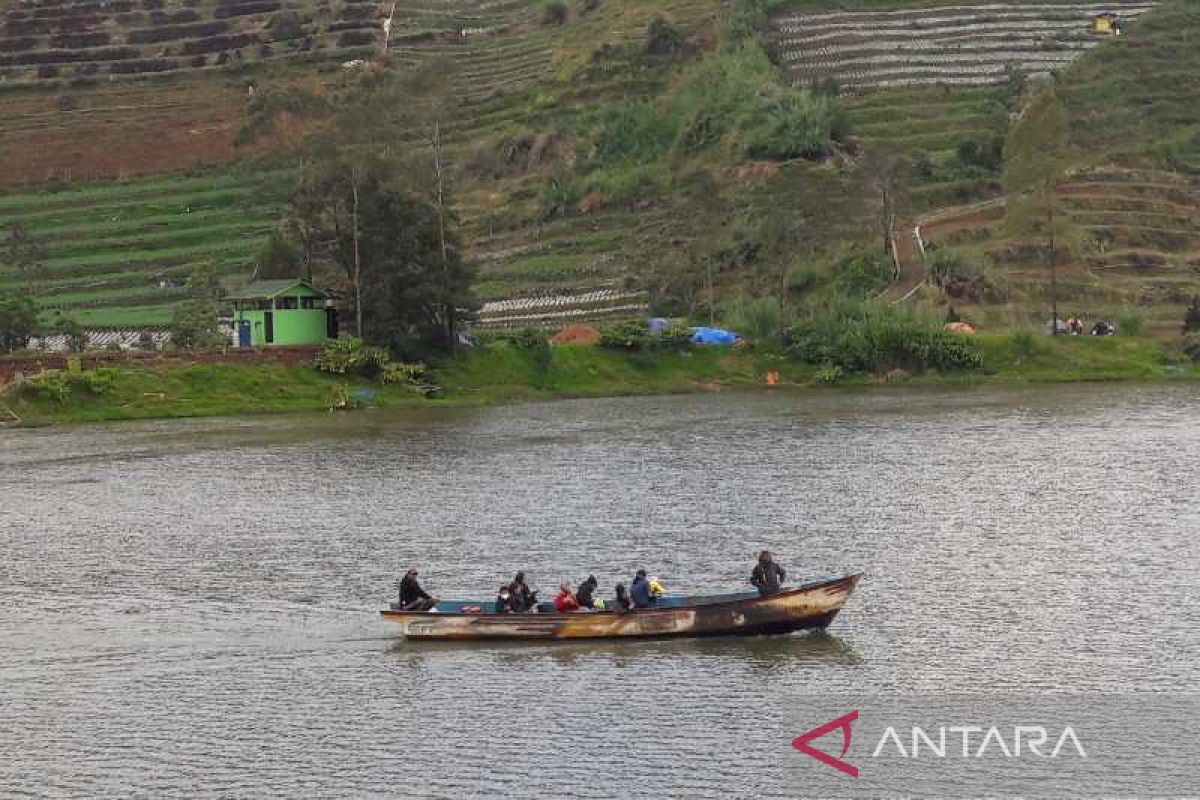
<point>640,591</point>
<point>522,599</point>
<point>587,591</point>
<point>657,589</point>
<point>412,596</point>
<point>767,575</point>
<point>504,601</point>
<point>624,601</point>
<point>565,600</point>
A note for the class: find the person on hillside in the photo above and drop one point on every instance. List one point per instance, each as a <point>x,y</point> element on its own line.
<point>565,600</point>
<point>640,591</point>
<point>412,596</point>
<point>586,594</point>
<point>522,599</point>
<point>767,576</point>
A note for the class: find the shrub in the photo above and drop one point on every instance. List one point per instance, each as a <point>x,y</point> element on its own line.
<point>351,356</point>
<point>761,320</point>
<point>286,25</point>
<point>629,335</point>
<point>801,279</point>
<point>861,276</point>
<point>560,196</point>
<point>49,384</point>
<point>355,38</point>
<point>1189,347</point>
<point>635,132</point>
<point>588,6</point>
<point>1131,322</point>
<point>400,372</point>
<point>555,12</point>
<point>860,337</point>
<point>77,337</point>
<point>663,38</point>
<point>97,381</point>
<point>1025,344</point>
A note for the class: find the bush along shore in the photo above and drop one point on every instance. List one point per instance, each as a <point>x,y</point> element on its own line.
<point>822,350</point>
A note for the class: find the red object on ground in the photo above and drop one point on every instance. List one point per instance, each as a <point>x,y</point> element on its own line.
<point>576,334</point>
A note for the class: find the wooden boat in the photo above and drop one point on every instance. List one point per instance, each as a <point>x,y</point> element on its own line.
<point>813,605</point>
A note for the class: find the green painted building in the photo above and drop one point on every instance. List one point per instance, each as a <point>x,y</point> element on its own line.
<point>282,312</point>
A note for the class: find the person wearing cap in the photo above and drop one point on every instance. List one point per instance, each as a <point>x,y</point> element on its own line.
<point>412,596</point>
<point>767,576</point>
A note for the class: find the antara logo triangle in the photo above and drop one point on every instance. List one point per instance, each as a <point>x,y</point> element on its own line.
<point>844,722</point>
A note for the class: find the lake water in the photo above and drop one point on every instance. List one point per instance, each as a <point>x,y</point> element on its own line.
<point>190,607</point>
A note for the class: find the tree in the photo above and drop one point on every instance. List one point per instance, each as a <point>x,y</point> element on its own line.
<point>18,320</point>
<point>194,323</point>
<point>77,337</point>
<point>885,174</point>
<point>1036,154</point>
<point>279,257</point>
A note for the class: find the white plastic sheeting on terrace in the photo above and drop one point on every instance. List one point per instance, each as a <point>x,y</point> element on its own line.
<point>952,44</point>
<point>560,308</point>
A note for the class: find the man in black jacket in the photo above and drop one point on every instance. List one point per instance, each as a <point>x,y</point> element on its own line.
<point>586,592</point>
<point>767,575</point>
<point>412,596</point>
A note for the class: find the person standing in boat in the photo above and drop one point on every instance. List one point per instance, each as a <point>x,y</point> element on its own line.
<point>520,597</point>
<point>767,576</point>
<point>640,591</point>
<point>412,596</point>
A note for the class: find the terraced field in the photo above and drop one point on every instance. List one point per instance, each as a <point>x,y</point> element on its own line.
<point>968,44</point>
<point>82,40</point>
<point>117,254</point>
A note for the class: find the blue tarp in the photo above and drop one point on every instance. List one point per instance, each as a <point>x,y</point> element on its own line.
<point>714,336</point>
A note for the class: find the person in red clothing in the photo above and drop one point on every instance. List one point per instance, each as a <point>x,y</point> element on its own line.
<point>565,600</point>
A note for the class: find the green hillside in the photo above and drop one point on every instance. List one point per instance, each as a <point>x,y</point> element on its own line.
<point>128,159</point>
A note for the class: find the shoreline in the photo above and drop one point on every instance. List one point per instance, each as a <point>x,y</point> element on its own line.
<point>499,375</point>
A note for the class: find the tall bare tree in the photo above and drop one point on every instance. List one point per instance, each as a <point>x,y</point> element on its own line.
<point>1037,153</point>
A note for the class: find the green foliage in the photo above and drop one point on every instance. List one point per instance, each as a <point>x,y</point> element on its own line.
<point>829,374</point>
<point>555,12</point>
<point>400,372</point>
<point>1131,322</point>
<point>18,321</point>
<point>761,320</point>
<point>801,279</point>
<point>526,338</point>
<point>351,356</point>
<point>663,38</point>
<point>860,337</point>
<point>986,153</point>
<point>1025,343</point>
<point>635,132</point>
<point>194,322</point>
<point>23,251</point>
<point>560,196</point>
<point>739,98</point>
<point>1189,346</point>
<point>98,381</point>
<point>49,384</point>
<point>77,337</point>
<point>279,257</point>
<point>635,335</point>
<point>747,22</point>
<point>629,335</point>
<point>861,276</point>
<point>339,398</point>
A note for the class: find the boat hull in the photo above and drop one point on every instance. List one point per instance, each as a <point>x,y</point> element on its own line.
<point>807,607</point>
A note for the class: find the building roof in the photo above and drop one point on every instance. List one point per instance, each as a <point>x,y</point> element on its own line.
<point>265,290</point>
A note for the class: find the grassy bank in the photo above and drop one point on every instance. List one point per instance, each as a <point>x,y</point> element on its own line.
<point>511,374</point>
